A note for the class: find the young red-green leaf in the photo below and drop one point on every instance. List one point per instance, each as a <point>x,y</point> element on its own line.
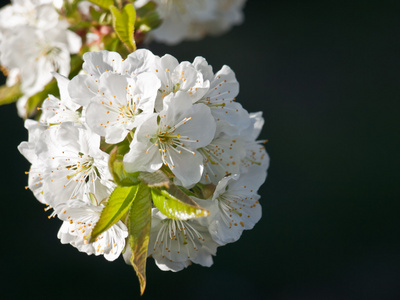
<point>155,179</point>
<point>118,204</point>
<point>124,23</point>
<point>10,94</point>
<point>139,224</point>
<point>103,3</point>
<point>116,166</point>
<point>175,204</point>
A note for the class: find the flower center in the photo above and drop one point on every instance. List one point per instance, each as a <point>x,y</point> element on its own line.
<point>177,235</point>
<point>83,165</point>
<point>225,204</point>
<point>128,112</point>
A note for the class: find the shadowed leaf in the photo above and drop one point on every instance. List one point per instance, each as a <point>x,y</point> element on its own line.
<point>9,94</point>
<point>155,179</point>
<point>139,224</point>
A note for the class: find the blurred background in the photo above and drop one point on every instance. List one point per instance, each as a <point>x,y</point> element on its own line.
<point>326,76</point>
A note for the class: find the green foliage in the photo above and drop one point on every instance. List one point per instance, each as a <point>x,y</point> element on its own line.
<point>147,17</point>
<point>76,66</point>
<point>118,204</point>
<point>124,23</point>
<point>10,94</point>
<point>70,11</point>
<point>175,204</point>
<point>139,225</point>
<point>103,3</point>
<point>116,166</point>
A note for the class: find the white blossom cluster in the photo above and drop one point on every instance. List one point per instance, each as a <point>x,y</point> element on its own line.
<point>178,116</point>
<point>193,19</point>
<point>33,43</point>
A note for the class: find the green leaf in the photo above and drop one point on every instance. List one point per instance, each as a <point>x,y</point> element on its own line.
<point>116,166</point>
<point>147,17</point>
<point>149,7</point>
<point>76,66</point>
<point>155,179</point>
<point>175,204</point>
<point>149,22</point>
<point>124,23</point>
<point>103,3</point>
<point>10,94</point>
<point>36,100</point>
<point>118,204</point>
<point>95,14</point>
<point>139,225</point>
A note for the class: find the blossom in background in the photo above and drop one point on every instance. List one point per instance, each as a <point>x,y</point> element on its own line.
<point>193,19</point>
<point>35,13</point>
<point>34,42</point>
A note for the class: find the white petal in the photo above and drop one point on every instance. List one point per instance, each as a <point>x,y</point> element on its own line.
<point>81,89</point>
<point>142,60</point>
<point>142,157</point>
<point>97,63</point>
<point>187,167</point>
<point>202,66</point>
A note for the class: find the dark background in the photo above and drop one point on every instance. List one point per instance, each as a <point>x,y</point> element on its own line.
<point>326,75</point>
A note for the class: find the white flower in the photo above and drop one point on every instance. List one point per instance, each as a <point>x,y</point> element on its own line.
<point>66,164</point>
<point>172,138</point>
<point>123,103</point>
<point>34,43</point>
<point>33,54</point>
<point>56,111</point>
<point>193,19</point>
<point>36,13</point>
<point>221,158</point>
<point>234,206</point>
<point>79,220</point>
<point>174,243</point>
<point>117,95</point>
<point>31,150</point>
<point>76,163</point>
<point>85,86</point>
<point>255,150</point>
<point>175,76</point>
<point>221,98</point>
